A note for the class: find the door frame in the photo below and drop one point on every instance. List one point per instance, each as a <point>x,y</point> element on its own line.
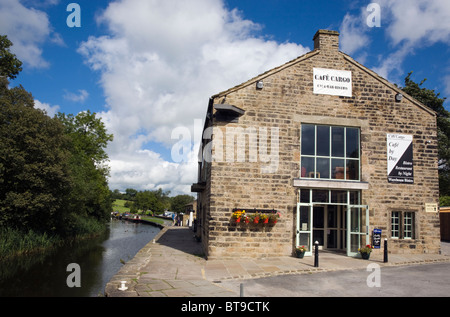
<point>360,231</point>
<point>309,229</point>
<point>363,228</point>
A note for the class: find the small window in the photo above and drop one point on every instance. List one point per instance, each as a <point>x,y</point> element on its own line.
<point>395,224</point>
<point>402,224</point>
<point>408,222</point>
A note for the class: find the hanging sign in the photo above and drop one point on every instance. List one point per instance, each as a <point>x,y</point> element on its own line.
<point>400,158</point>
<point>332,82</point>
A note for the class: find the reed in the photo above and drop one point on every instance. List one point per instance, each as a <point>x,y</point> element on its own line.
<point>15,242</point>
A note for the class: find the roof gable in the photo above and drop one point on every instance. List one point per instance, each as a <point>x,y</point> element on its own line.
<point>315,52</point>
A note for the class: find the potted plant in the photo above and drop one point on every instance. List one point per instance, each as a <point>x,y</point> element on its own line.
<point>263,218</point>
<point>365,251</point>
<point>273,218</point>
<point>255,218</point>
<point>237,215</point>
<point>300,251</point>
<point>245,218</point>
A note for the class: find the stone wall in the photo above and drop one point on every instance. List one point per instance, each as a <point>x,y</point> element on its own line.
<point>278,111</point>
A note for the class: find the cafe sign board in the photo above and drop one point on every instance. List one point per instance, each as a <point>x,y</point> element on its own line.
<point>332,82</point>
<point>400,158</point>
<point>376,238</point>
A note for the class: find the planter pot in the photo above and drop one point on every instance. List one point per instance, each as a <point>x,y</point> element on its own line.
<point>365,256</point>
<point>299,254</point>
<point>266,221</point>
<point>238,220</point>
<point>256,220</point>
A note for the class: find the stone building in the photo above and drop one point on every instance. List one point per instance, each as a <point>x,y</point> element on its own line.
<point>335,150</point>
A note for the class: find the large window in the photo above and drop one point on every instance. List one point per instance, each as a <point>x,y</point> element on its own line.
<point>402,225</point>
<point>330,152</point>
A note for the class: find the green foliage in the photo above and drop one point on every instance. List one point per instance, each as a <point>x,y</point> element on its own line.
<point>179,202</point>
<point>121,205</point>
<point>10,66</point>
<point>89,195</point>
<point>444,201</point>
<point>34,179</point>
<point>80,225</point>
<point>156,201</point>
<point>53,172</point>
<point>14,242</point>
<point>431,99</point>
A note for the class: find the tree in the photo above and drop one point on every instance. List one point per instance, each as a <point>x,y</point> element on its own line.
<point>431,99</point>
<point>156,201</point>
<point>179,202</point>
<point>53,172</point>
<point>10,66</point>
<point>130,194</point>
<point>90,195</point>
<point>34,179</point>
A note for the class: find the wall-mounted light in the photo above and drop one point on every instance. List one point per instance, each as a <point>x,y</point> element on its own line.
<point>259,84</point>
<point>398,97</point>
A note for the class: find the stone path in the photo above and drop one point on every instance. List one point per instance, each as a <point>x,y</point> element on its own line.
<point>172,265</point>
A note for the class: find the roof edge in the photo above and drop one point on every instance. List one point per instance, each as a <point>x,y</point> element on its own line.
<point>267,73</point>
<point>311,54</point>
<point>388,83</point>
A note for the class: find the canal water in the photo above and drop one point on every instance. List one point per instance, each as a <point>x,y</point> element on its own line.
<point>99,259</point>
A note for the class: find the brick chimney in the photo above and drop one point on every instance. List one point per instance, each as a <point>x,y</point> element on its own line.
<point>326,40</point>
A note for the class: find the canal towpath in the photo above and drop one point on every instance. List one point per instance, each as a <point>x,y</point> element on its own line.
<point>173,265</point>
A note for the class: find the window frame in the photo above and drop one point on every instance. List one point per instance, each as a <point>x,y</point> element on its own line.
<point>405,223</point>
<point>332,161</point>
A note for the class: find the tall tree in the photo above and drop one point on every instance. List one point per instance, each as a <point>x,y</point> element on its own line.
<point>34,178</point>
<point>90,195</point>
<point>432,99</point>
<point>53,172</point>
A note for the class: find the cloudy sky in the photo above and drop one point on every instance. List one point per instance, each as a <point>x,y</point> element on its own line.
<point>148,67</point>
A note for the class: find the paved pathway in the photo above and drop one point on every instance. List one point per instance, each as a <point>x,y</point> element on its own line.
<point>173,265</point>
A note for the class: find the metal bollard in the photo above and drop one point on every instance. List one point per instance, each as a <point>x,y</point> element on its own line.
<point>316,254</point>
<point>385,251</point>
<point>242,290</point>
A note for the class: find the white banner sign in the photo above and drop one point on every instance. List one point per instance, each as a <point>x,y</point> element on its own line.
<point>332,82</point>
<point>400,158</point>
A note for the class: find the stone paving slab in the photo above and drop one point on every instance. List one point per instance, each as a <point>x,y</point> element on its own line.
<point>173,265</point>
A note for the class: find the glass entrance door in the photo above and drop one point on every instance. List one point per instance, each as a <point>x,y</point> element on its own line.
<point>358,225</point>
<point>335,227</point>
<point>304,226</point>
<point>327,225</point>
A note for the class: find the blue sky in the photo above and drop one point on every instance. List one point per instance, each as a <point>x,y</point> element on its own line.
<point>148,67</point>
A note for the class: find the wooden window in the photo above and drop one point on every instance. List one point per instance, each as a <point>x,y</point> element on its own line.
<point>402,224</point>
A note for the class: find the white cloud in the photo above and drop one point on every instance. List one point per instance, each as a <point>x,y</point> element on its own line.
<point>408,24</point>
<point>159,65</point>
<point>353,35</point>
<point>28,29</point>
<point>418,22</point>
<point>50,110</point>
<point>81,96</point>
